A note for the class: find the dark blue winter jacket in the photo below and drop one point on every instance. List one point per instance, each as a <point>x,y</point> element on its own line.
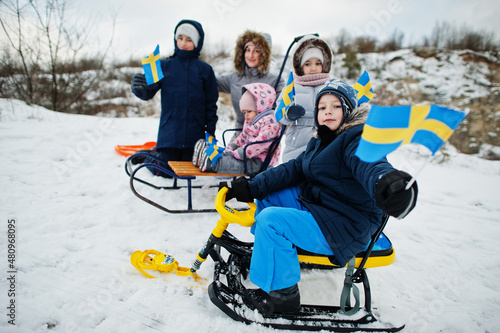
<point>188,97</point>
<point>335,186</point>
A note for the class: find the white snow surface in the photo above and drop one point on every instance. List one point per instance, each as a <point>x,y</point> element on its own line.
<point>77,223</point>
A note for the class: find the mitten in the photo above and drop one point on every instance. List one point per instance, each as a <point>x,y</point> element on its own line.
<point>240,190</point>
<point>138,82</point>
<point>295,112</point>
<point>392,196</point>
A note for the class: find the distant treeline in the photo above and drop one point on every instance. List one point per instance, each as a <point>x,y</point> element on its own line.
<point>443,36</point>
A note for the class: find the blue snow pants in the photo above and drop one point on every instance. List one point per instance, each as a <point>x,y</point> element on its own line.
<point>281,224</point>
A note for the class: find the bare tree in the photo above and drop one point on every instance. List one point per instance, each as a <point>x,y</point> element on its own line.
<point>438,34</point>
<point>343,41</point>
<point>445,35</point>
<point>394,42</point>
<point>43,51</point>
<point>22,60</point>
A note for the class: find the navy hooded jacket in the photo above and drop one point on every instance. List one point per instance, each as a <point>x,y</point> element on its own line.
<point>188,96</point>
<point>335,186</point>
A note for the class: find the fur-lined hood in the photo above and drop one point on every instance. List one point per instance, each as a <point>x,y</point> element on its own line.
<point>307,42</point>
<point>239,51</point>
<point>354,118</point>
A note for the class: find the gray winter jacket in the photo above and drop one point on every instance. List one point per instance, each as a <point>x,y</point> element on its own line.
<point>301,131</point>
<point>233,82</point>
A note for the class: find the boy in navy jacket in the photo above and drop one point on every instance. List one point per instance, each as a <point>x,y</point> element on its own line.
<point>326,201</point>
<point>188,96</point>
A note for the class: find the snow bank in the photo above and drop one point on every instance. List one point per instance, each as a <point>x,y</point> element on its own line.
<point>77,223</point>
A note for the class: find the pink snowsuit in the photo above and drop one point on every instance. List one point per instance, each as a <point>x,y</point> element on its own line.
<point>263,127</point>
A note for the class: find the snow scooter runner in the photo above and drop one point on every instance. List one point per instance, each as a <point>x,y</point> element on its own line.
<point>227,290</point>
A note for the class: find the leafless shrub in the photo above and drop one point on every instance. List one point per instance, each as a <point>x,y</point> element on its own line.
<point>445,35</point>
<point>393,43</point>
<point>343,42</point>
<point>365,44</point>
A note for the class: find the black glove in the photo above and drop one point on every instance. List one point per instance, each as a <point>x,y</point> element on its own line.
<point>239,189</point>
<point>138,82</point>
<point>295,112</point>
<point>391,195</point>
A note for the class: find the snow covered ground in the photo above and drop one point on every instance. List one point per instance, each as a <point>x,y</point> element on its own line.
<point>77,223</point>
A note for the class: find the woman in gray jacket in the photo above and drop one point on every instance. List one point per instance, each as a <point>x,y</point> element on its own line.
<point>252,57</point>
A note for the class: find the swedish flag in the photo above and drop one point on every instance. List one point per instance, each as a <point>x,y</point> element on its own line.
<point>388,127</point>
<point>287,98</point>
<point>363,88</point>
<point>152,66</point>
<point>213,151</point>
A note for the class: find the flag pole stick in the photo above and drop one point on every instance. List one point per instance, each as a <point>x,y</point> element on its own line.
<point>414,177</point>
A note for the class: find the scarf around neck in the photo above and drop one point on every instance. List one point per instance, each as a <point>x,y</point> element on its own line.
<point>312,79</point>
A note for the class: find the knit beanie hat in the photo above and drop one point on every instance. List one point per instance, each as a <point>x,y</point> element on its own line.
<point>189,30</point>
<point>312,52</point>
<point>344,92</point>
<point>247,102</point>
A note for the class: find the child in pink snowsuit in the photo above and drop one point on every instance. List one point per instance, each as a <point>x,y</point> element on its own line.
<point>260,124</point>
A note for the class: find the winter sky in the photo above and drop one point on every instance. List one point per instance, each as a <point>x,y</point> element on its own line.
<point>141,25</point>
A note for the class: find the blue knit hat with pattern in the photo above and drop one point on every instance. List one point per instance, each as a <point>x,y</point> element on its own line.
<point>342,91</point>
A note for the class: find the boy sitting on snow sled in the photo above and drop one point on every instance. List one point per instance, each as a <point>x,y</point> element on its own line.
<point>326,201</point>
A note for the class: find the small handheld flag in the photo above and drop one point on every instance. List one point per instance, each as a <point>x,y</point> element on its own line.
<point>286,101</point>
<point>388,127</point>
<point>213,151</point>
<point>152,67</point>
<point>363,88</point>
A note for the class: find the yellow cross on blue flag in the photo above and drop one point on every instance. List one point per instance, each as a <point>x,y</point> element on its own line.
<point>286,100</point>
<point>363,88</point>
<point>388,127</point>
<point>213,151</point>
<point>152,67</point>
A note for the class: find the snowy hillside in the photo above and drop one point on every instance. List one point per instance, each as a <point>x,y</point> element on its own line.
<point>441,77</point>
<point>77,223</point>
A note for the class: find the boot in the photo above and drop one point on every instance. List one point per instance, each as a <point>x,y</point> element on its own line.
<point>285,300</point>
<point>140,158</point>
<point>205,163</point>
<point>199,148</point>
